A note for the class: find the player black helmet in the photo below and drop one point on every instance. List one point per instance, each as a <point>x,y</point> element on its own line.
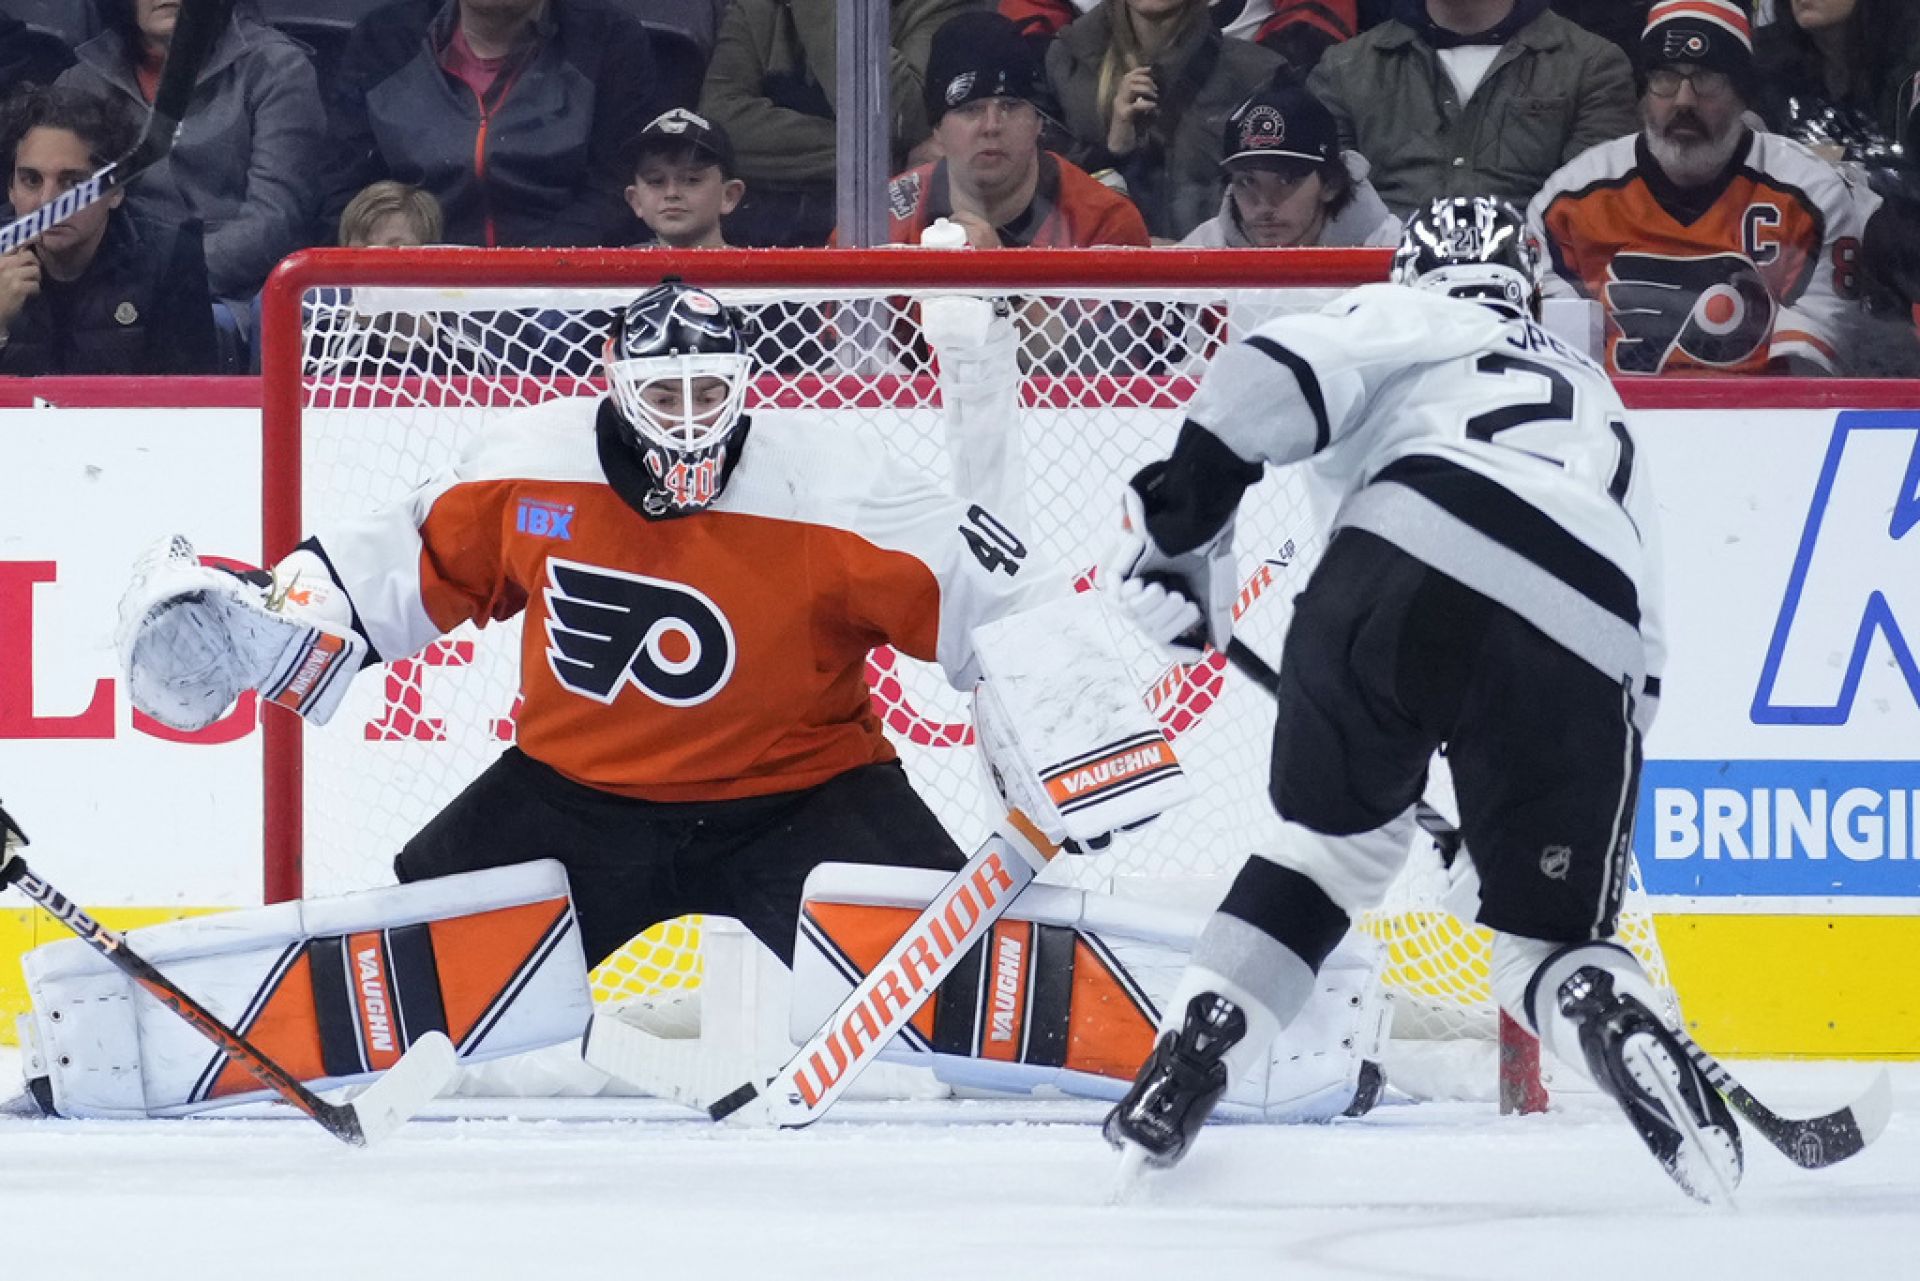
<point>677,368</point>
<point>1476,247</point>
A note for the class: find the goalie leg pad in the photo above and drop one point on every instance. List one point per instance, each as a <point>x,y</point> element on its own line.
<point>335,990</point>
<point>1066,993</point>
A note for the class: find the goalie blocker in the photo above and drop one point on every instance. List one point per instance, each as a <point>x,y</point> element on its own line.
<point>335,990</point>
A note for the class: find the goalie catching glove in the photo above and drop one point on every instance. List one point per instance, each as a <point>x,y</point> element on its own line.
<point>193,638</point>
<point>1183,601</point>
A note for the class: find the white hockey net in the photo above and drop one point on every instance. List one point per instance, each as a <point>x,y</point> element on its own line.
<point>395,380</point>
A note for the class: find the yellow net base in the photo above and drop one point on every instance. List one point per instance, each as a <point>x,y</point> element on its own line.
<point>664,961</point>
<point>1441,969</point>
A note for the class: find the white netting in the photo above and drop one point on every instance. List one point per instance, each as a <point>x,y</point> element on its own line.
<point>397,381</point>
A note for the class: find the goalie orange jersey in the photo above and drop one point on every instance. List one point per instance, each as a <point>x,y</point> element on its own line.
<point>716,655</point>
<point>1728,279</point>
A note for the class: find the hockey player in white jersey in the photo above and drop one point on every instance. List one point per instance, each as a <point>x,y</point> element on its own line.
<point>1491,587</point>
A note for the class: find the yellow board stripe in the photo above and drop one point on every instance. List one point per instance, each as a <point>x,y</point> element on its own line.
<point>1752,986</point>
<point>1825,987</point>
<point>23,929</point>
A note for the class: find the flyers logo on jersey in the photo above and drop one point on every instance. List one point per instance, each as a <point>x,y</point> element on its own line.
<point>606,629</point>
<point>1677,313</point>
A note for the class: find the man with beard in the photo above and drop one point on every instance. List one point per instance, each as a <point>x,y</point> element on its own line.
<point>1713,248</point>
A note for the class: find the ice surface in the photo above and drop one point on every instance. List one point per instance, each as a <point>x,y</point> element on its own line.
<point>598,1188</point>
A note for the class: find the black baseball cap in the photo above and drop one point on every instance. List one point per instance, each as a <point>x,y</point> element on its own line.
<point>978,54</point>
<point>683,130</point>
<point>1282,127</point>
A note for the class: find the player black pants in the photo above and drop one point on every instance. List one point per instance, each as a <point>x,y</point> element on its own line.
<point>1388,660</point>
<point>632,863</point>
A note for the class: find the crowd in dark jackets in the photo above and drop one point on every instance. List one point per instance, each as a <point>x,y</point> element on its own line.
<point>1241,122</point>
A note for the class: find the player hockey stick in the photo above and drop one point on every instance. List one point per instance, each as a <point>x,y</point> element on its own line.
<point>198,26</point>
<point>1810,1142</point>
<point>893,991</point>
<point>1814,1142</point>
<point>376,1112</point>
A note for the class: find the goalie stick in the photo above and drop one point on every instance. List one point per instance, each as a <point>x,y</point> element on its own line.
<point>1812,1143</point>
<point>372,1115</point>
<point>894,989</point>
<point>197,28</point>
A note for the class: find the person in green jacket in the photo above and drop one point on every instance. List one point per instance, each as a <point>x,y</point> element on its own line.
<point>1473,97</point>
<point>770,86</point>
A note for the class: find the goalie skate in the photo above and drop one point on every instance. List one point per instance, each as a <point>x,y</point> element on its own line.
<point>1176,1089</point>
<point>1676,1111</point>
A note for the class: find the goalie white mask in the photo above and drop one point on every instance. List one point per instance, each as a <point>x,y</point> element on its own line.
<point>1473,247</point>
<point>677,368</point>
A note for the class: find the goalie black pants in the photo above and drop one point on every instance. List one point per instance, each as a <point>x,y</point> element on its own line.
<point>1388,660</point>
<point>632,863</point>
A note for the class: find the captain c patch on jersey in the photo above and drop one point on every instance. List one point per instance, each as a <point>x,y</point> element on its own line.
<point>605,628</point>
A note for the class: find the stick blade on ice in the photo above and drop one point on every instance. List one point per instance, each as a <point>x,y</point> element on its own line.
<point>409,1085</point>
<point>1875,1108</point>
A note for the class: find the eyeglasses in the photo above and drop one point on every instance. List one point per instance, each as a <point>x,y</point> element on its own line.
<point>1666,82</point>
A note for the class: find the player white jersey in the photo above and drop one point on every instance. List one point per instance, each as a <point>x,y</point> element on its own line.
<point>1481,445</point>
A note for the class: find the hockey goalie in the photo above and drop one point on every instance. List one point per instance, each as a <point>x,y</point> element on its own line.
<point>696,734</point>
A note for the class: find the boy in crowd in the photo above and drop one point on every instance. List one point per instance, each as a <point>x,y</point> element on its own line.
<point>684,180</point>
<point>391,215</point>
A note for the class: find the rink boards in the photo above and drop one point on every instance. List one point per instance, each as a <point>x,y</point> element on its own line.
<point>1778,828</point>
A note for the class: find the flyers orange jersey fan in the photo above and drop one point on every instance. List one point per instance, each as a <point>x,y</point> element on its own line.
<point>1754,269</point>
<point>703,657</point>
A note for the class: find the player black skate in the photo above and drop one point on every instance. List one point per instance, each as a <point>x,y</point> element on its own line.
<point>1680,1116</point>
<point>1180,1082</point>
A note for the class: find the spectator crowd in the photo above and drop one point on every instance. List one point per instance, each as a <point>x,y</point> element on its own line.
<point>1739,192</point>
